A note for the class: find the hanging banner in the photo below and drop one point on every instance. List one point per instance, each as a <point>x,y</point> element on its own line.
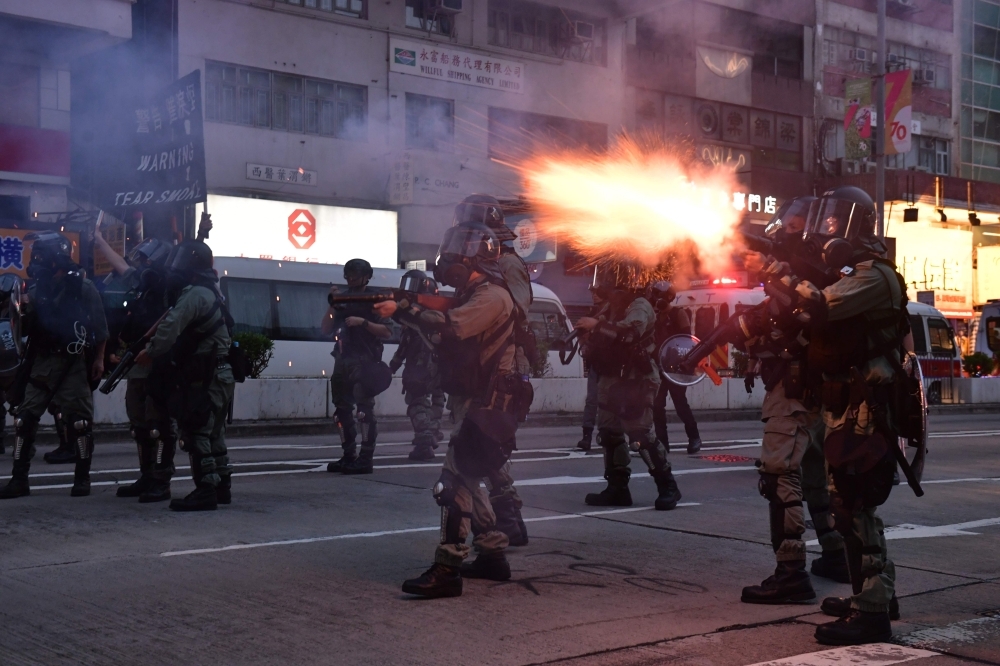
<point>15,251</point>
<point>858,119</point>
<point>898,111</point>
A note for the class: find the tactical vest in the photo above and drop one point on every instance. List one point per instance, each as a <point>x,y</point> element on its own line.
<point>63,318</point>
<point>837,346</point>
<point>614,358</point>
<point>461,368</point>
<point>356,342</point>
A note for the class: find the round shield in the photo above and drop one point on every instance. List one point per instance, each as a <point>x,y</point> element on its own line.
<point>671,354</point>
<point>10,354</point>
<point>915,448</point>
<point>13,306</point>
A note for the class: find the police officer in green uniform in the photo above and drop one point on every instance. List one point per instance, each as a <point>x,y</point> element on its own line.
<point>858,325</point>
<point>358,335</point>
<point>67,334</point>
<point>189,357</point>
<point>476,355</point>
<point>140,284</point>
<point>421,385</point>
<point>620,345</point>
<point>792,467</point>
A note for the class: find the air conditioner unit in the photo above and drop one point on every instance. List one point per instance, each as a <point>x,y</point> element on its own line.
<point>923,76</point>
<point>893,59</point>
<point>850,167</point>
<point>583,31</point>
<point>444,6</point>
<point>859,54</point>
<point>869,167</point>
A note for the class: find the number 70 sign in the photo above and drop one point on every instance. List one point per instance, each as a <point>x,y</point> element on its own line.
<point>899,111</point>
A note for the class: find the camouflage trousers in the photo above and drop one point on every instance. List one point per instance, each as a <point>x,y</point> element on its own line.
<point>206,445</point>
<point>425,411</point>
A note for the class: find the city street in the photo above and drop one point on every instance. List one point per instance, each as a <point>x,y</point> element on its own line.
<point>305,567</point>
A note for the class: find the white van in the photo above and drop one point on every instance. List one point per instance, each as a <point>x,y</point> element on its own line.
<point>986,330</point>
<point>934,344</point>
<point>286,301</point>
<point>710,303</point>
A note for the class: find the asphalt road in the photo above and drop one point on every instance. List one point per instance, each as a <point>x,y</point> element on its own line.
<point>305,567</point>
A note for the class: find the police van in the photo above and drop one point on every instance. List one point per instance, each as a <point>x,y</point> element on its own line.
<point>286,301</point>
<point>710,302</point>
<point>935,347</point>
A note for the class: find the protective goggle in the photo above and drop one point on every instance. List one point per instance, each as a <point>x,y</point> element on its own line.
<point>791,218</point>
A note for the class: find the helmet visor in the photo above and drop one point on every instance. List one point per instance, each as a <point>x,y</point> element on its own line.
<point>412,283</point>
<point>149,252</point>
<point>790,218</point>
<point>469,241</point>
<point>834,217</point>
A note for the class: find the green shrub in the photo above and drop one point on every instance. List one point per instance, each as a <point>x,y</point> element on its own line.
<point>540,368</point>
<point>258,349</point>
<point>740,363</point>
<point>978,364</point>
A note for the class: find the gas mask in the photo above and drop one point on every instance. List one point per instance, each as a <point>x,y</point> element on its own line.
<point>453,271</point>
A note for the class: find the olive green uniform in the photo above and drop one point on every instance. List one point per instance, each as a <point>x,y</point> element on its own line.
<point>203,425</point>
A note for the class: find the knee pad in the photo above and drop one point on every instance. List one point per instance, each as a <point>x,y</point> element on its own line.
<point>25,428</point>
<point>446,488</point>
<point>445,492</point>
<point>81,435</point>
<point>767,485</point>
<point>610,440</point>
<point>646,446</point>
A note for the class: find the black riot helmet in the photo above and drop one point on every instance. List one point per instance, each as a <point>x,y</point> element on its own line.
<point>790,220</point>
<point>51,252</point>
<point>841,224</point>
<point>417,282</point>
<point>151,253</point>
<point>188,258</point>
<point>466,247</point>
<point>484,209</point>
<point>661,294</point>
<point>358,269</point>
<point>615,277</point>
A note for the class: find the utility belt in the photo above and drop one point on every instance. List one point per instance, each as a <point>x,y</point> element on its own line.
<point>512,393</point>
<point>838,396</point>
<point>621,364</point>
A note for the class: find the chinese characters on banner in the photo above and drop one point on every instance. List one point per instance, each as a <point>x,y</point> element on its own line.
<point>858,118</point>
<point>899,111</point>
<point>401,181</point>
<point>444,63</point>
<point>160,157</point>
<point>15,252</point>
<point>938,260</point>
<point>278,174</point>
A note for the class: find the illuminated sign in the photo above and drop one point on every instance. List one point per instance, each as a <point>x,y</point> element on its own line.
<point>755,203</point>
<point>938,260</point>
<point>987,273</point>
<point>288,231</point>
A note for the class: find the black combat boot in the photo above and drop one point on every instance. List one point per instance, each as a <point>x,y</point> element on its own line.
<point>790,584</point>
<point>18,484</point>
<point>348,441</point>
<point>440,580</point>
<point>669,493</point>
<point>162,465</point>
<point>363,463</point>
<point>509,520</point>
<point>694,445</point>
<point>147,456</point>
<point>585,441</point>
<point>224,491</point>
<point>80,434</point>
<point>81,478</point>
<point>832,564</point>
<point>60,455</point>
<point>158,491</point>
<point>857,628</point>
<point>337,466</point>
<point>841,607</point>
<point>202,498</point>
<point>423,448</point>
<point>3,449</point>
<point>617,492</point>
<point>136,488</point>
<point>491,566</point>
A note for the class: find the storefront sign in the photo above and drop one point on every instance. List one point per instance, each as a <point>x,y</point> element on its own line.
<point>287,231</point>
<point>15,251</point>
<point>938,260</point>
<point>401,181</point>
<point>159,159</point>
<point>279,174</point>
<point>445,63</point>
<point>755,203</point>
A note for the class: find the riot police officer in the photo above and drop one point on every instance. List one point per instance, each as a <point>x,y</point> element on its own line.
<point>485,209</point>
<point>191,373</point>
<point>621,344</point>
<point>141,279</point>
<point>478,371</point>
<point>358,334</point>
<point>858,324</point>
<point>67,334</point>
<point>421,385</point>
<point>671,321</point>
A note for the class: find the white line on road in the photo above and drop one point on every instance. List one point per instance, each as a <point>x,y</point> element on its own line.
<point>910,531</point>
<point>411,530</point>
<point>882,654</point>
<point>569,480</point>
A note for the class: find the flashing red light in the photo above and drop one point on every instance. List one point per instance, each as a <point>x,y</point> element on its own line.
<point>725,281</point>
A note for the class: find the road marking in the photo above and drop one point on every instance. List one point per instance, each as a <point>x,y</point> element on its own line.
<point>910,531</point>
<point>968,480</point>
<point>569,480</point>
<point>370,535</point>
<point>966,631</point>
<point>882,654</point>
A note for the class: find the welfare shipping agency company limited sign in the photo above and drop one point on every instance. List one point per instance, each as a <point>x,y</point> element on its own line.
<point>441,62</point>
<point>289,231</point>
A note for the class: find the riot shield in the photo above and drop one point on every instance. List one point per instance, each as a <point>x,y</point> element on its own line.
<point>915,448</point>
<point>671,354</point>
<point>11,342</point>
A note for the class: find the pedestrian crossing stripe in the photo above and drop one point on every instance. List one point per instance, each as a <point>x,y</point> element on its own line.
<point>883,654</point>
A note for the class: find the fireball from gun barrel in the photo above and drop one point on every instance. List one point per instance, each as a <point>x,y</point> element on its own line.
<point>644,201</point>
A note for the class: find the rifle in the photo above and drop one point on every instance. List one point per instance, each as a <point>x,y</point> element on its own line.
<point>128,360</point>
<point>429,301</point>
<point>739,328</point>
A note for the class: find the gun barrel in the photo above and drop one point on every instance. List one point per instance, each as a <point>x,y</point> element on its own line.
<point>128,360</point>
<point>343,299</point>
<point>757,243</point>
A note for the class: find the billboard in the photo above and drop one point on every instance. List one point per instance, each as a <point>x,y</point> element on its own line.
<point>289,231</point>
<point>937,260</point>
<point>898,111</point>
<point>987,273</point>
<point>15,252</point>
<point>858,119</point>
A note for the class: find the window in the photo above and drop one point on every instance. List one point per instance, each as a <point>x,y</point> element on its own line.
<point>419,16</point>
<point>356,8</point>
<point>19,95</point>
<point>941,336</point>
<point>517,134</point>
<point>851,51</point>
<point>430,123</point>
<point>919,337</point>
<point>704,322</point>
<point>993,334</point>
<point>933,155</point>
<point>547,30</point>
<point>259,98</point>
<point>547,321</point>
